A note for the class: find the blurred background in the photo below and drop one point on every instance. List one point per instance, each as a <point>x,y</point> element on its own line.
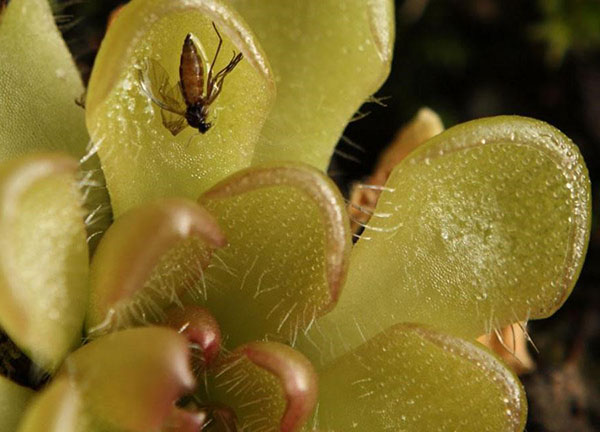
<point>467,59</point>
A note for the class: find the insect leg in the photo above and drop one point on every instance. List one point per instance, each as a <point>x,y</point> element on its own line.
<point>217,83</point>
<point>235,59</point>
<point>210,71</point>
<point>190,140</point>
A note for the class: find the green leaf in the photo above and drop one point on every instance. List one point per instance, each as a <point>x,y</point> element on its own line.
<point>13,402</point>
<point>409,378</point>
<point>287,257</point>
<point>141,159</point>
<point>132,378</point>
<point>139,267</point>
<point>56,409</point>
<point>126,381</point>
<point>43,257</point>
<point>268,385</point>
<point>328,57</point>
<point>38,85</point>
<point>484,225</point>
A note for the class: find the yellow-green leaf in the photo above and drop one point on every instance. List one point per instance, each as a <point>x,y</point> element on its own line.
<point>132,378</point>
<point>484,225</point>
<point>141,159</point>
<point>146,260</point>
<point>39,84</point>
<point>56,409</point>
<point>289,242</point>
<point>269,386</point>
<point>411,379</point>
<point>43,257</point>
<point>13,402</point>
<point>328,57</point>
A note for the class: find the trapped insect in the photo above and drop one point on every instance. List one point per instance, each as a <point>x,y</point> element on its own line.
<point>188,101</point>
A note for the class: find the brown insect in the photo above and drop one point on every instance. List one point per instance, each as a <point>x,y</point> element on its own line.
<point>188,101</point>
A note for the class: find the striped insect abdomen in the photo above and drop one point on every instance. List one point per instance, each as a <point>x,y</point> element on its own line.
<point>191,72</point>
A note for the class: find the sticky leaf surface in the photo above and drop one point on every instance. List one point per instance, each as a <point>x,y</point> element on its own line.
<point>269,386</point>
<point>409,378</point>
<point>38,84</point>
<point>484,225</point>
<point>131,379</point>
<point>287,255</point>
<point>146,260</point>
<point>43,258</point>
<point>141,159</point>
<point>328,57</point>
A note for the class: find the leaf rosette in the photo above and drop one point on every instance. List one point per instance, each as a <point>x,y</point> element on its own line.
<point>227,294</point>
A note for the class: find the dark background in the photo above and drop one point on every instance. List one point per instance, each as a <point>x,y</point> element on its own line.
<point>467,59</point>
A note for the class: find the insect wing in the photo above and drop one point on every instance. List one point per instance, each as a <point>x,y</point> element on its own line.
<point>175,122</point>
<point>174,97</point>
<point>154,80</point>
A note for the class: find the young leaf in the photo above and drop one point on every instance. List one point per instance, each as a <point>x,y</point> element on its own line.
<point>268,385</point>
<point>132,378</point>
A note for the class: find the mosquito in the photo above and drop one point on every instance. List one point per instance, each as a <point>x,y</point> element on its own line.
<point>187,102</point>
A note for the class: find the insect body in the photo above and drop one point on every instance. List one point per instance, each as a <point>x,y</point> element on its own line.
<point>188,101</point>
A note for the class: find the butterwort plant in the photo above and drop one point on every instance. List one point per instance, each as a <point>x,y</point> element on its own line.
<point>152,281</point>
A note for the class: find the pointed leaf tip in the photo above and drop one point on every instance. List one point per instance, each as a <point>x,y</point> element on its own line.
<point>200,327</point>
<point>297,376</point>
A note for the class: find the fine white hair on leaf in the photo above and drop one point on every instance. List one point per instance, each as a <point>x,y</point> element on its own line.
<point>352,144</point>
<point>347,156</point>
<point>375,187</point>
